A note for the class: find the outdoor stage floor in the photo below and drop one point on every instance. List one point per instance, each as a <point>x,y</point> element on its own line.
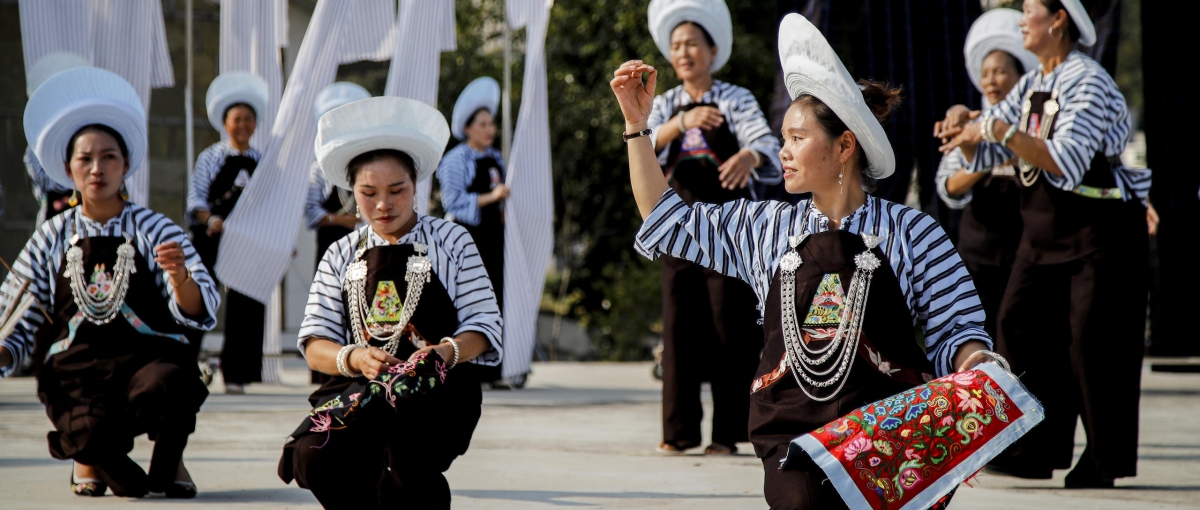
<point>581,435</point>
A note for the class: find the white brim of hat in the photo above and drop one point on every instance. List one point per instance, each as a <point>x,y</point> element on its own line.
<point>713,15</point>
<point>338,94</point>
<point>1087,29</point>
<point>402,124</point>
<point>997,29</point>
<point>50,65</point>
<point>810,66</point>
<point>79,97</point>
<point>482,93</point>
<point>233,88</point>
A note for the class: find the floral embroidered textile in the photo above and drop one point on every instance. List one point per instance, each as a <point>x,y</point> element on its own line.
<point>387,306</point>
<point>910,450</point>
<point>825,313</point>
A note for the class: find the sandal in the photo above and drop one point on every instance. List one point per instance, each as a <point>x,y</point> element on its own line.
<point>674,448</point>
<point>87,487</point>
<point>720,450</point>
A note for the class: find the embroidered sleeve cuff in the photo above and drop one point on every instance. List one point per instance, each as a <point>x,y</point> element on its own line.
<point>663,221</point>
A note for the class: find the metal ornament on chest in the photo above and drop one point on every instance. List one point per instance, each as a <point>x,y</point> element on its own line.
<point>418,272</point>
<point>1029,174</point>
<point>96,310</point>
<point>806,362</point>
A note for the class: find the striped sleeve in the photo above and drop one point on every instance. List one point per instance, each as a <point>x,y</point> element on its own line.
<point>324,315</point>
<point>42,183</point>
<point>752,131</point>
<point>33,264</point>
<point>947,167</point>
<point>740,239</point>
<point>208,164</point>
<point>314,200</point>
<point>941,295</point>
<point>155,229</point>
<point>1092,109</point>
<point>470,288</point>
<point>454,175</point>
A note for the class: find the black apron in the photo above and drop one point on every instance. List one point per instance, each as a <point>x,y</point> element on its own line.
<point>86,387</point>
<point>780,411</point>
<point>223,195</point>
<point>451,412</point>
<point>707,317</point>
<point>988,235</point>
<point>489,233</point>
<point>330,234</point>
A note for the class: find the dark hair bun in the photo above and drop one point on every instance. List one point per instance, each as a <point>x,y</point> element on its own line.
<point>881,98</point>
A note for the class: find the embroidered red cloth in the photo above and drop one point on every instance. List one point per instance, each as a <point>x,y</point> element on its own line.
<point>909,450</point>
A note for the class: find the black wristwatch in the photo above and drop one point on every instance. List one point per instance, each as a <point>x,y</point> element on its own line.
<point>630,136</point>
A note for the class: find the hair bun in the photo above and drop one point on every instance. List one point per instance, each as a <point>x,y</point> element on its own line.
<point>881,98</point>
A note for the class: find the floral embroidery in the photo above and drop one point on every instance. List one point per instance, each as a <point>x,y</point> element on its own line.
<point>894,448</point>
<point>101,283</point>
<point>387,306</point>
<point>825,313</point>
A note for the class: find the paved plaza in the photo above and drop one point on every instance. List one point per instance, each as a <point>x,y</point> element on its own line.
<point>582,435</point>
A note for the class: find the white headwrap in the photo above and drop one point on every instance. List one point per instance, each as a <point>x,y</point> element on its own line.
<point>811,67</point>
<point>406,125</point>
<point>482,93</point>
<point>50,65</point>
<point>1079,15</point>
<point>72,99</point>
<point>232,88</point>
<point>337,94</point>
<point>713,15</point>
<point>996,29</point>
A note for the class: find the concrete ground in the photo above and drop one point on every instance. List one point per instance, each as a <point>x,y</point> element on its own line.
<point>582,435</point>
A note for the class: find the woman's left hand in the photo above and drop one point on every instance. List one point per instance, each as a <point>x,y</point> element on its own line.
<point>735,172</point>
<point>169,256</point>
<point>446,351</point>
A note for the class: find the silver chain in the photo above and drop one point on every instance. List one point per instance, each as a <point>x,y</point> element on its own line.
<point>418,271</point>
<point>100,311</point>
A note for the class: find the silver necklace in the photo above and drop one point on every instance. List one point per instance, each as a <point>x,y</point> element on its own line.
<point>417,274</point>
<point>804,361</point>
<point>100,308</point>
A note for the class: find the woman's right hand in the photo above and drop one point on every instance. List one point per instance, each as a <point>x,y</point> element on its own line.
<point>956,117</point>
<point>635,98</point>
<point>500,193</point>
<point>216,226</point>
<point>371,361</point>
<point>704,117</point>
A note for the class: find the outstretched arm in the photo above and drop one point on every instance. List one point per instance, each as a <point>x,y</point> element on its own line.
<point>636,99</point>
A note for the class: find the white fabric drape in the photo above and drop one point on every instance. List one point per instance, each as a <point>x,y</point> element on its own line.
<point>529,211</point>
<point>374,33</point>
<point>126,37</point>
<point>250,35</point>
<point>260,233</point>
<point>424,29</point>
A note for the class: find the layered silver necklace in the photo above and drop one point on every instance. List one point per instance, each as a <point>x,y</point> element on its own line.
<point>100,308</point>
<point>418,271</point>
<point>806,362</point>
<point>1028,173</point>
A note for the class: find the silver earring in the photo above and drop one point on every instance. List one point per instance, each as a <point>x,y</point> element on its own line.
<point>1051,31</point>
<point>416,208</point>
<point>841,174</point>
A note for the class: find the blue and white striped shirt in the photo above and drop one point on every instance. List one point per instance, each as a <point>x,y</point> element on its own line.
<point>208,165</point>
<point>741,111</point>
<point>314,200</point>
<point>949,165</point>
<point>455,173</point>
<point>40,262</point>
<point>456,262</point>
<point>745,240</point>
<point>42,182</point>
<point>1092,118</point>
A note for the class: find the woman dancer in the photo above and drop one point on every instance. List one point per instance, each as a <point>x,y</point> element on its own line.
<point>123,285</point>
<point>901,267</point>
<point>381,148</point>
<point>1074,314</point>
<point>712,140</point>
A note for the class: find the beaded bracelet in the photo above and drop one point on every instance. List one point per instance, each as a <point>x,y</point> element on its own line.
<point>455,346</point>
<point>1008,135</point>
<point>342,355</point>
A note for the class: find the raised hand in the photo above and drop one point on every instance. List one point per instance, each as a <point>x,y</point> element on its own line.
<point>635,97</point>
<point>956,117</point>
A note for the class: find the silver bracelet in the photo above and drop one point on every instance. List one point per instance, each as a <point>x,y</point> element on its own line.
<point>682,128</point>
<point>211,219</point>
<point>455,346</point>
<point>342,356</point>
<point>989,133</point>
<point>998,358</point>
<point>1008,135</point>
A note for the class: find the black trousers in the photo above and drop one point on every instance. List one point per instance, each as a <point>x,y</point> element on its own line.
<point>991,282</point>
<point>1075,334</point>
<point>710,333</point>
<point>242,354</point>
<point>374,467</point>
